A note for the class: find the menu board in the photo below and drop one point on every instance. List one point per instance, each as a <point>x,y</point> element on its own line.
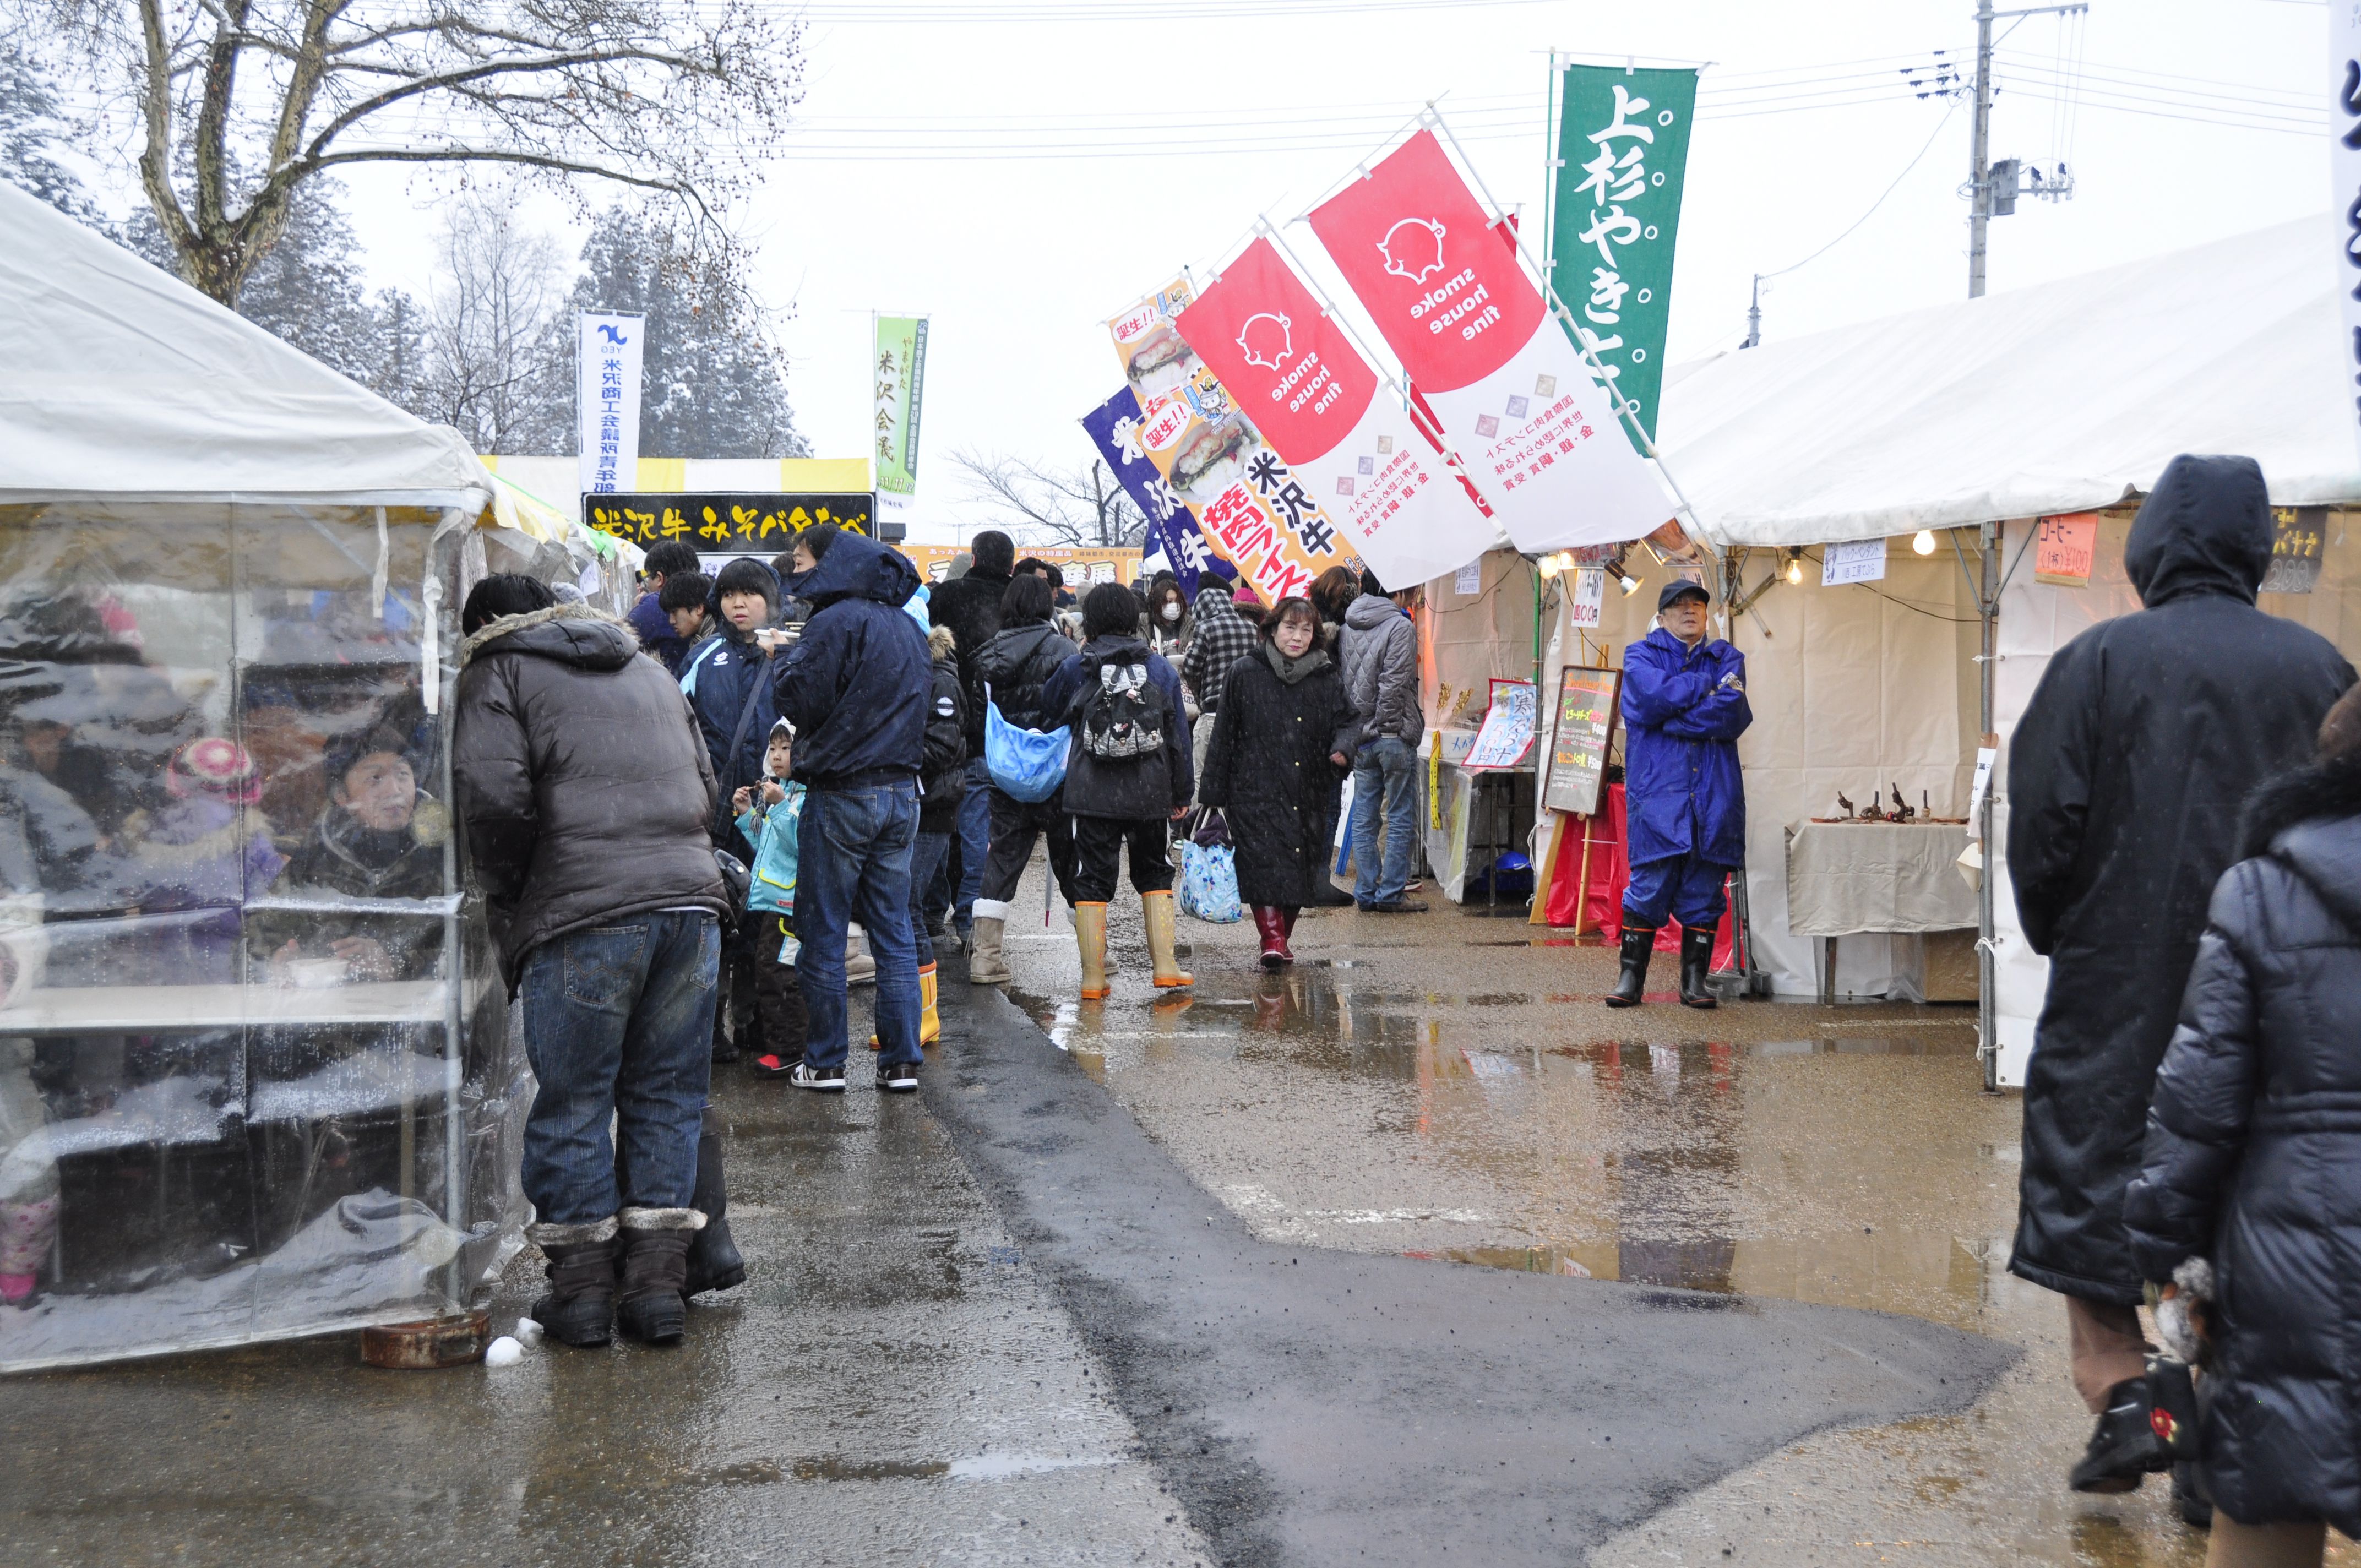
<point>1505,739</point>
<point>1585,719</point>
<point>2063,547</point>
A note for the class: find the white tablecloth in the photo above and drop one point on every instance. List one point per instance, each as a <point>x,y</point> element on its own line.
<point>1844,877</point>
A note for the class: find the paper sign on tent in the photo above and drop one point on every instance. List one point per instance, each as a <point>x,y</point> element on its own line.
<point>1538,436</point>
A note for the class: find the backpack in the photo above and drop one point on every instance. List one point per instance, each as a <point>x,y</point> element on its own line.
<point>1123,716</point>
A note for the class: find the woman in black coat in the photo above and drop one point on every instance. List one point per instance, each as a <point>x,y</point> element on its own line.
<point>2252,1162</point>
<point>1015,665</point>
<point>1283,733</point>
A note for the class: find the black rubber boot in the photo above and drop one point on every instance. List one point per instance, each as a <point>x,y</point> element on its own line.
<point>2123,1446</point>
<point>656,1268</point>
<point>1638,941</point>
<point>713,1260</point>
<point>1696,958</point>
<point>580,1307</point>
<point>2191,1500</point>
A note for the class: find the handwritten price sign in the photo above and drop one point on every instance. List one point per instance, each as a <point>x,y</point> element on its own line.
<point>2063,547</point>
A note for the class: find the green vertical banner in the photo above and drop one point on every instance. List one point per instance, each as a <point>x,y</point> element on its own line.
<point>901,374</point>
<point>1622,154</point>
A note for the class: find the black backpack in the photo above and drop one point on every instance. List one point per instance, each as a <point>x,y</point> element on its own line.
<point>1122,716</point>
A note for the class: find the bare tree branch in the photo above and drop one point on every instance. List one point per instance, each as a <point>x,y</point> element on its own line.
<point>1078,507</point>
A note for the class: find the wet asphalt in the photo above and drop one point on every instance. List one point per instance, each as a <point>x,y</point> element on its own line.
<point>1414,1254</point>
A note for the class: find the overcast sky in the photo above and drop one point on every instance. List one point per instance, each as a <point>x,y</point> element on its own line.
<point>1806,119</point>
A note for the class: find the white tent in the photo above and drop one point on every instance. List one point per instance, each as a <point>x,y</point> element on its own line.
<point>2065,397</point>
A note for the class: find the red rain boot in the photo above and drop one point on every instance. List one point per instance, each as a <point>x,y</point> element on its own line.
<point>1271,921</point>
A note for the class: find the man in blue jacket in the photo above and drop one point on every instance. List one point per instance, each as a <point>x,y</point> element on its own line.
<point>1684,807</point>
<point>856,687</point>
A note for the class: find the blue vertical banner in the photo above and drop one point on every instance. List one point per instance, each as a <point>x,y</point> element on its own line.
<point>1172,529</point>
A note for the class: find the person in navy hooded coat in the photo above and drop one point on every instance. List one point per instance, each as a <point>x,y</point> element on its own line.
<point>1684,807</point>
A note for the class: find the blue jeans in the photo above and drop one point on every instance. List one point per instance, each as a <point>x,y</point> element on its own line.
<point>855,846</point>
<point>1681,886</point>
<point>619,1021</point>
<point>928,853</point>
<point>1385,776</point>
<point>975,840</point>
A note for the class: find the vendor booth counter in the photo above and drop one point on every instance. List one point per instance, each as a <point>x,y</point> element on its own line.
<point>256,1073</point>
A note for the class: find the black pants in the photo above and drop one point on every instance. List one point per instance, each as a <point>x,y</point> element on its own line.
<point>1015,826</point>
<point>1098,847</point>
<point>780,1000</point>
<point>738,982</point>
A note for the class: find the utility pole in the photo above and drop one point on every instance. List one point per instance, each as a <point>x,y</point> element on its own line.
<point>1754,315</point>
<point>1979,169</point>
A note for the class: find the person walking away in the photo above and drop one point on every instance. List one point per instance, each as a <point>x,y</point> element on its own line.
<point>940,780</point>
<point>1381,659</point>
<point>1684,805</point>
<point>1283,733</point>
<point>2124,778</point>
<point>1128,776</point>
<point>1013,668</point>
<point>768,817</point>
<point>728,682</point>
<point>585,796</point>
<point>969,605</point>
<point>658,633</point>
<point>2250,1182</point>
<point>684,601</point>
<point>856,687</point>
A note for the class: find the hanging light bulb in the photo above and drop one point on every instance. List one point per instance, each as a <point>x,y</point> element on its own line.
<point>1565,561</point>
<point>1923,541</point>
<point>1547,565</point>
<point>1795,568</point>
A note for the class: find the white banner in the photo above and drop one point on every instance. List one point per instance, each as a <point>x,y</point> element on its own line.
<point>607,399</point>
<point>2345,161</point>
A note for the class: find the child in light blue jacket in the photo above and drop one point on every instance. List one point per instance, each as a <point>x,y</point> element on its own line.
<point>768,814</point>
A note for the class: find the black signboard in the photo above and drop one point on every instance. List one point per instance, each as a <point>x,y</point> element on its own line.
<point>758,522</point>
<point>2295,548</point>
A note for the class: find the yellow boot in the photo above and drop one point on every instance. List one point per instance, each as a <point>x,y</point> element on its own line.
<point>1155,909</point>
<point>1089,936</point>
<point>931,1022</point>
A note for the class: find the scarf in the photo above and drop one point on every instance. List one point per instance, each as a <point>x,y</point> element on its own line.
<point>1289,670</point>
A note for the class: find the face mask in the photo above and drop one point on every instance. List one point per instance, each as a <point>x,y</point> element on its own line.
<point>1170,611</point>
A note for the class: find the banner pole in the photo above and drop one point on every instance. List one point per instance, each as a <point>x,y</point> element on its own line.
<point>1622,404</point>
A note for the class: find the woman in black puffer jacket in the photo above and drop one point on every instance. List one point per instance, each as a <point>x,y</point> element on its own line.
<point>2253,1162</point>
<point>1281,738</point>
<point>1025,652</point>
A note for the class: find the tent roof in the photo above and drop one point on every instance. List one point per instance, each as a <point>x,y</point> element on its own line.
<point>2062,397</point>
<point>128,382</point>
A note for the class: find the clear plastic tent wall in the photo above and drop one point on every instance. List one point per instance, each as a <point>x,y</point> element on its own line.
<point>256,1073</point>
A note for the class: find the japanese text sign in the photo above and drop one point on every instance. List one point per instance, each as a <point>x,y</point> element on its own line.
<point>758,522</point>
<point>2063,547</point>
<point>1172,529</point>
<point>2345,167</point>
<point>1858,560</point>
<point>607,397</point>
<point>1585,721</point>
<point>1622,154</point>
<point>899,367</point>
<point>1506,738</point>
<point>2296,536</point>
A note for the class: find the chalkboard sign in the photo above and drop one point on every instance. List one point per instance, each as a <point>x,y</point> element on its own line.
<point>1577,756</point>
<point>2295,548</point>
<point>758,522</point>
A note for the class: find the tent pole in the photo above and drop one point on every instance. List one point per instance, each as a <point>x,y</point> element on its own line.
<point>1987,1009</point>
<point>1742,950</point>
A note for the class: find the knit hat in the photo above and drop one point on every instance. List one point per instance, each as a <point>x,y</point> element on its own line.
<point>1245,595</point>
<point>214,768</point>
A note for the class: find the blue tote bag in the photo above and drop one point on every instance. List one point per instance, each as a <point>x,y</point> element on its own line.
<point>1026,766</point>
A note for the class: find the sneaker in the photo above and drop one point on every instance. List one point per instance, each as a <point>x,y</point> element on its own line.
<point>2123,1446</point>
<point>899,1077</point>
<point>829,1079</point>
<point>772,1065</point>
<point>1393,907</point>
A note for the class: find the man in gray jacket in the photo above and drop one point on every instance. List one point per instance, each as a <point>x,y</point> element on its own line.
<point>585,791</point>
<point>1381,657</point>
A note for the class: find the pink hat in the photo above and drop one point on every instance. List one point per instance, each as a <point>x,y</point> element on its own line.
<point>214,767</point>
<point>1245,595</point>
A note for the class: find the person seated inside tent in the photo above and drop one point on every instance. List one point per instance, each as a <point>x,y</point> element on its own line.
<point>381,837</point>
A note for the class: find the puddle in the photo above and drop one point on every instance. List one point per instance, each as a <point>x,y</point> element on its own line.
<point>1000,1467</point>
<point>836,1467</point>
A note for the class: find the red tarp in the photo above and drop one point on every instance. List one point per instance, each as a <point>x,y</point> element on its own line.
<point>1609,874</point>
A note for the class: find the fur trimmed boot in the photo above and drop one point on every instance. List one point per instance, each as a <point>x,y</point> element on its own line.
<point>1090,937</point>
<point>1163,927</point>
<point>714,1262</point>
<point>1696,958</point>
<point>1270,920</point>
<point>651,1305</point>
<point>986,965</point>
<point>580,1306</point>
<point>1630,986</point>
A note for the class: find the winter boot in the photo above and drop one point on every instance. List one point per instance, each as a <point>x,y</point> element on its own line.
<point>1638,941</point>
<point>1271,921</point>
<point>651,1306</point>
<point>1089,936</point>
<point>2123,1446</point>
<point>931,1021</point>
<point>580,1306</point>
<point>859,963</point>
<point>1696,956</point>
<point>714,1263</point>
<point>2190,1499</point>
<point>986,965</point>
<point>1156,910</point>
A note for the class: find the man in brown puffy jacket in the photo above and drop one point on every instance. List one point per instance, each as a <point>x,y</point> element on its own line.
<point>585,791</point>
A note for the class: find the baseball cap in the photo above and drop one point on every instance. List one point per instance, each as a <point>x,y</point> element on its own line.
<point>1678,588</point>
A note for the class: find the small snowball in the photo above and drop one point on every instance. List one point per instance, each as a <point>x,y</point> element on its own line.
<point>504,1352</point>
<point>528,1334</point>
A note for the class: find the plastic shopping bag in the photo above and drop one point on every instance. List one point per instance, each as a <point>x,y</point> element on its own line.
<point>1026,765</point>
<point>1209,875</point>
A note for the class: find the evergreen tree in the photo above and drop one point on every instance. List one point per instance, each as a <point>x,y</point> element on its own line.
<point>32,132</point>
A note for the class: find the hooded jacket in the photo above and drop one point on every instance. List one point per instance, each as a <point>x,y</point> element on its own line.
<point>582,784</point>
<point>2124,780</point>
<point>2253,1154</point>
<point>945,761</point>
<point>722,675</point>
<point>1131,791</point>
<point>1220,638</point>
<point>1016,665</point>
<point>969,605</point>
<point>1379,653</point>
<point>654,628</point>
<point>1684,709</point>
<point>856,687</point>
